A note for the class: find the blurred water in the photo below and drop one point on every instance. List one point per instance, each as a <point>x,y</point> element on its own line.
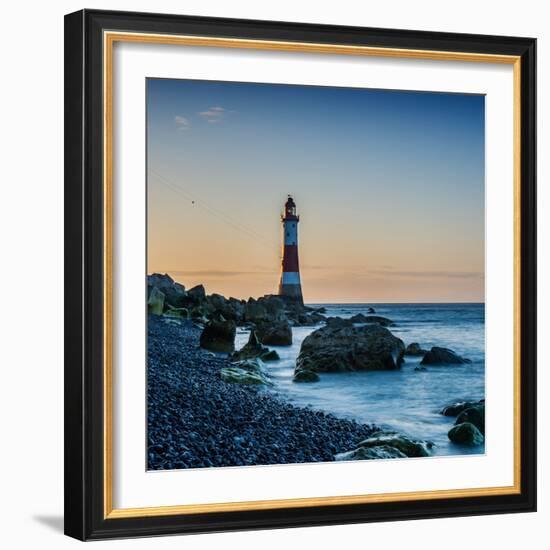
<point>405,400</point>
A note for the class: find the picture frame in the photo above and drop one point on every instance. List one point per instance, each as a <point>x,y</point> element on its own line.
<point>90,36</point>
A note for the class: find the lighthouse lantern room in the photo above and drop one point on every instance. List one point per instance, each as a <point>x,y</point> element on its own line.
<point>290,286</point>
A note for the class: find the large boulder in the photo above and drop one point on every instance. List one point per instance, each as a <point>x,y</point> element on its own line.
<point>466,434</point>
<point>369,347</point>
<point>277,333</point>
<point>443,356</point>
<point>155,303</point>
<point>415,349</point>
<point>219,336</point>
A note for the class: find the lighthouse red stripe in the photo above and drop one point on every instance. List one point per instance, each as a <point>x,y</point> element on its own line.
<point>290,258</point>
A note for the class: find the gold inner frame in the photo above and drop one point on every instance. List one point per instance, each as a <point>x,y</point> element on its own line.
<point>109,39</point>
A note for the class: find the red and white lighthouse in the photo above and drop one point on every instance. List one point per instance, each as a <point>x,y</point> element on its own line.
<point>289,286</point>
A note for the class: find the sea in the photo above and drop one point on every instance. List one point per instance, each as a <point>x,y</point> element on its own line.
<point>404,400</point>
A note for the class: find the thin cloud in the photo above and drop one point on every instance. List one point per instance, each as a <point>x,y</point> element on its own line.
<point>214,114</point>
<point>182,123</point>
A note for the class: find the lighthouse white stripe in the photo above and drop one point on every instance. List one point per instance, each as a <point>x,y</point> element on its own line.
<point>290,278</point>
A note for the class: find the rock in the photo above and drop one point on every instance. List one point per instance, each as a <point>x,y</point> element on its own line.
<point>236,375</point>
<point>219,336</point>
<point>338,322</point>
<point>443,356</point>
<point>466,434</point>
<point>200,312</point>
<point>198,293</point>
<point>409,447</point>
<point>254,312</point>
<point>358,318</point>
<point>251,349</point>
<point>274,334</point>
<point>371,310</point>
<point>456,408</point>
<point>382,321</point>
<point>270,355</point>
<point>306,376</point>
<point>160,280</point>
<point>249,365</point>
<point>174,293</point>
<point>420,369</point>
<point>274,307</point>
<point>321,310</point>
<point>370,453</point>
<point>177,312</point>
<point>155,303</point>
<point>369,347</point>
<point>230,308</point>
<point>415,349</point>
<point>474,415</point>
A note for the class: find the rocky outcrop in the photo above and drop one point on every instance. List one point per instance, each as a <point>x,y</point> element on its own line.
<point>369,347</point>
<point>278,333</point>
<point>466,434</point>
<point>371,310</point>
<point>443,356</point>
<point>415,350</point>
<point>388,445</point>
<point>219,336</point>
<point>268,309</point>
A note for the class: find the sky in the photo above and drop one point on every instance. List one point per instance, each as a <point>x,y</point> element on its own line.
<point>389,186</point>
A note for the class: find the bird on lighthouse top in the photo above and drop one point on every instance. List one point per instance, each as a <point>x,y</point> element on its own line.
<point>290,286</point>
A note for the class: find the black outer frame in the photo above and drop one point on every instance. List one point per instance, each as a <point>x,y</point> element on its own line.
<point>84,275</point>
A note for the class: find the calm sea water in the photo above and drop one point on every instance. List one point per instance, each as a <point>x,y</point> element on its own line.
<point>405,400</point>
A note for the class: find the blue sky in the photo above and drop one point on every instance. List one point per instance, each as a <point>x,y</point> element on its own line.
<point>389,184</point>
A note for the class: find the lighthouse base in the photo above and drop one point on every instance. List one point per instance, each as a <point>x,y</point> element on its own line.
<point>291,292</point>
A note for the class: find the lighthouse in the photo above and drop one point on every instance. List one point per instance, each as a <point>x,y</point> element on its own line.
<point>289,286</point>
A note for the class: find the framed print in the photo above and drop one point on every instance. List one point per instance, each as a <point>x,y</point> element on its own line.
<point>300,274</point>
